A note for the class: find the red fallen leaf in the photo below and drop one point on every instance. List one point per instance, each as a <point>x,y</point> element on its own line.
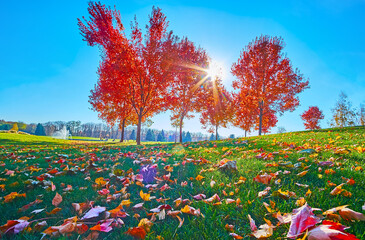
<point>302,219</point>
<point>229,227</point>
<point>160,208</point>
<point>103,227</point>
<point>53,187</point>
<point>53,171</point>
<point>137,232</point>
<point>145,224</point>
<point>165,206</point>
<point>264,178</point>
<point>104,191</point>
<point>349,181</point>
<point>81,228</point>
<point>330,230</point>
<point>252,223</point>
<point>41,179</point>
<point>57,200</point>
<point>26,207</point>
<point>164,187</point>
<point>199,196</point>
<point>14,226</point>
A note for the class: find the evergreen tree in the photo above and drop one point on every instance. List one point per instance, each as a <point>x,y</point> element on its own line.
<point>40,130</point>
<point>212,137</point>
<point>183,137</point>
<point>161,137</point>
<point>150,136</point>
<point>231,136</point>
<point>188,137</point>
<point>133,135</point>
<point>5,127</point>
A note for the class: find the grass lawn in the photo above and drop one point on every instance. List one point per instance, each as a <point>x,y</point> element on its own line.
<point>107,174</point>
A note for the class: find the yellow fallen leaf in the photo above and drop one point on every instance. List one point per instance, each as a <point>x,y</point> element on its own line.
<point>144,196</point>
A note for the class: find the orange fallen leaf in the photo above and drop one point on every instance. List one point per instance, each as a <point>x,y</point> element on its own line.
<point>137,232</point>
<point>10,197</point>
<point>54,211</point>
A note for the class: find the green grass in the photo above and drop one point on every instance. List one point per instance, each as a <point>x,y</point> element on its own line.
<point>19,152</point>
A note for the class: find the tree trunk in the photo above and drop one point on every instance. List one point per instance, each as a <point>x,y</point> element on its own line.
<point>176,134</point>
<point>138,139</point>
<point>260,120</point>
<point>181,123</point>
<point>216,132</point>
<point>122,131</point>
<point>245,133</point>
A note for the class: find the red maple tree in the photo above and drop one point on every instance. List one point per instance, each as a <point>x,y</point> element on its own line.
<point>311,118</point>
<point>266,82</point>
<point>216,107</point>
<point>110,98</point>
<point>143,63</point>
<point>187,90</point>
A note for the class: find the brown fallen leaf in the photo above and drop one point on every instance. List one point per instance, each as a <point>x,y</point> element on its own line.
<point>57,200</point>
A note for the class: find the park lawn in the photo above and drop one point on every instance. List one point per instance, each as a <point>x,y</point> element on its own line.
<point>30,163</point>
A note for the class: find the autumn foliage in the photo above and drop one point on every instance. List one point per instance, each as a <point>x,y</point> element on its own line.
<point>148,73</point>
<point>266,82</point>
<point>187,87</point>
<point>137,70</point>
<point>218,107</point>
<point>311,118</point>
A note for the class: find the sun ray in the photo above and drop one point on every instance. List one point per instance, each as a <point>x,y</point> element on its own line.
<point>199,83</point>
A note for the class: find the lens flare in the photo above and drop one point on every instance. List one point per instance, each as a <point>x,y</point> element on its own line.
<point>215,70</point>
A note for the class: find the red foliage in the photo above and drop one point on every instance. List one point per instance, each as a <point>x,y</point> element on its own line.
<point>187,90</point>
<point>267,83</point>
<point>311,118</point>
<point>217,107</point>
<point>137,71</point>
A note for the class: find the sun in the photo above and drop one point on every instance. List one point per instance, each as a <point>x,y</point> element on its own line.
<point>215,70</point>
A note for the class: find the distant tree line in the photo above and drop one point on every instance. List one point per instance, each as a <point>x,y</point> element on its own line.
<point>100,130</point>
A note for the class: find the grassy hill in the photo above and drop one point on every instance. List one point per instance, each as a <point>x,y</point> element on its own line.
<point>108,175</point>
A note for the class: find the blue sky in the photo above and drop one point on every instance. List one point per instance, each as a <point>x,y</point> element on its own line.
<point>47,71</point>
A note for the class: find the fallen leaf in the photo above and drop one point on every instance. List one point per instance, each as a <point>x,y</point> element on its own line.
<point>302,219</point>
<point>330,230</point>
<point>57,200</point>
<point>144,196</point>
<point>137,232</point>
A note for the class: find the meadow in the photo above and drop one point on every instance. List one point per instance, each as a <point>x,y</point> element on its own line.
<point>75,190</point>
